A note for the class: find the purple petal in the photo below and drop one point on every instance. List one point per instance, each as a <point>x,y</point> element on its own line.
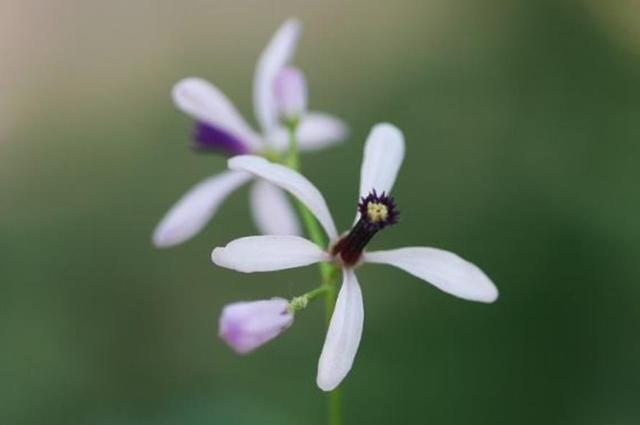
<point>246,326</point>
<point>213,139</point>
<point>290,90</point>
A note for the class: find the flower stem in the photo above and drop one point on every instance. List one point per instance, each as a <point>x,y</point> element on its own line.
<point>310,223</point>
<point>335,406</point>
<point>292,157</point>
<point>315,234</point>
<point>301,302</point>
<point>328,272</point>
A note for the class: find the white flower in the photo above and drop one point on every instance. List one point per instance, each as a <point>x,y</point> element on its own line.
<point>247,325</point>
<point>383,155</point>
<point>219,127</point>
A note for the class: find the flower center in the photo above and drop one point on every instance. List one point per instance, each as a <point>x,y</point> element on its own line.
<point>376,213</point>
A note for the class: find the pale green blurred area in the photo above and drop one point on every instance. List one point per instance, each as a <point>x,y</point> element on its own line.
<point>522,121</point>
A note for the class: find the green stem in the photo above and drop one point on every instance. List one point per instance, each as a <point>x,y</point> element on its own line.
<point>315,234</point>
<point>335,405</point>
<point>310,223</point>
<point>328,272</point>
<point>320,290</point>
<point>292,157</point>
<point>301,302</point>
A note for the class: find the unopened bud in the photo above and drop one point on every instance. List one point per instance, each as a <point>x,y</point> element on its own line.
<point>246,326</point>
<point>290,94</point>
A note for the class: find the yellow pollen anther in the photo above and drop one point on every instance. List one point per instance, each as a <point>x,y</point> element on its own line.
<point>377,212</point>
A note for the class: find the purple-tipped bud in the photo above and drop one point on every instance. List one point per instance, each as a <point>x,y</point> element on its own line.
<point>290,93</point>
<point>246,326</point>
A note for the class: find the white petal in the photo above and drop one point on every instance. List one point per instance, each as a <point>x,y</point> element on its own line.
<point>343,336</point>
<point>205,102</point>
<point>268,253</point>
<point>443,269</point>
<point>274,57</point>
<point>291,181</point>
<point>189,215</point>
<point>272,211</point>
<point>317,130</point>
<point>383,155</point>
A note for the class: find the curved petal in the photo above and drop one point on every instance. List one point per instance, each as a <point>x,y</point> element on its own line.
<point>317,130</point>
<point>268,253</point>
<point>274,57</point>
<point>272,211</point>
<point>443,269</point>
<point>204,102</point>
<point>291,181</point>
<point>189,215</point>
<point>343,336</point>
<point>383,155</point>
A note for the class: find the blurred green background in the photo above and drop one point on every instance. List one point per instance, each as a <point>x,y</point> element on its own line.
<point>522,121</point>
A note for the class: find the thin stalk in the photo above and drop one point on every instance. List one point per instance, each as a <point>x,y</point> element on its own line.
<point>335,407</point>
<point>292,157</point>
<point>310,223</point>
<point>315,234</point>
<point>320,290</point>
<point>328,272</point>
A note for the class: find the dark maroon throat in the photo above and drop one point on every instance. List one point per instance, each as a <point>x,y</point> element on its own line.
<point>376,213</point>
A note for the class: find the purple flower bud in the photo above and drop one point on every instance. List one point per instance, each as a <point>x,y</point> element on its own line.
<point>247,325</point>
<point>290,93</point>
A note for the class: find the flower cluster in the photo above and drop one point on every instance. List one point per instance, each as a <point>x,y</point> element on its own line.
<point>279,94</point>
<point>280,101</point>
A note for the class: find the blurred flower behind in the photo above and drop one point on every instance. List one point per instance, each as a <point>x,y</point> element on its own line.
<point>220,128</point>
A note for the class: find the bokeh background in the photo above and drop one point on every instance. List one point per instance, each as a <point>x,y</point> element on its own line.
<point>522,120</point>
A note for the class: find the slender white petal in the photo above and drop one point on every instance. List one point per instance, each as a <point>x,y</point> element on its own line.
<point>204,102</point>
<point>189,215</point>
<point>443,269</point>
<point>274,57</point>
<point>343,336</point>
<point>383,155</point>
<point>272,211</point>
<point>291,181</point>
<point>268,253</point>
<point>317,130</point>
